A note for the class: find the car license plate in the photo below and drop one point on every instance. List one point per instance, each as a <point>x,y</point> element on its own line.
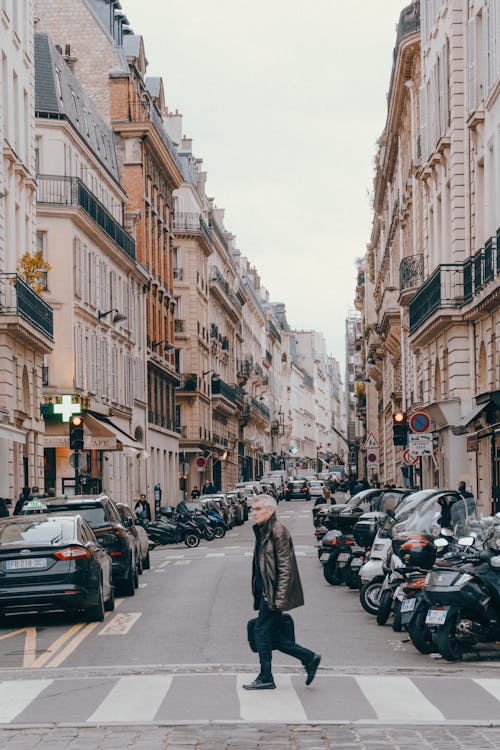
<point>408,605</point>
<point>435,617</point>
<point>343,557</point>
<point>25,564</point>
<point>324,556</point>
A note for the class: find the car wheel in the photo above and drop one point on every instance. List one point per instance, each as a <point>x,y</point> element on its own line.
<point>136,576</point>
<point>146,563</point>
<point>128,584</point>
<point>96,613</point>
<point>109,604</point>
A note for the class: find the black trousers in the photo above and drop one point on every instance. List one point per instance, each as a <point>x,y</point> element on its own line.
<point>267,631</point>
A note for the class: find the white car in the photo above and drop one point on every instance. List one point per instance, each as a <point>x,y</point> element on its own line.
<point>316,487</point>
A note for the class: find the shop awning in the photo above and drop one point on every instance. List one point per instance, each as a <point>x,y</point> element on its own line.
<point>125,440</point>
<point>7,432</point>
<point>475,412</point>
<point>96,435</point>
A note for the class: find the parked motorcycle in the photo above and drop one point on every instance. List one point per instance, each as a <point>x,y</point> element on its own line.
<point>464,599</point>
<point>173,530</point>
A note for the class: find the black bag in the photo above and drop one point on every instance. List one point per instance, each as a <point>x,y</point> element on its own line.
<point>286,627</point>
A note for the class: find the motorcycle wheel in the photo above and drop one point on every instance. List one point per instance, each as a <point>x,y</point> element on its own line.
<point>397,625</point>
<point>208,534</point>
<point>369,596</point>
<point>332,573</point>
<point>419,633</point>
<point>446,640</point>
<point>351,579</point>
<point>191,540</point>
<point>219,532</point>
<point>384,607</point>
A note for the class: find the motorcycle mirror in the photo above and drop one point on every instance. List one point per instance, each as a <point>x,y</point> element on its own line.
<point>466,541</point>
<point>446,532</point>
<point>495,562</point>
<point>440,543</point>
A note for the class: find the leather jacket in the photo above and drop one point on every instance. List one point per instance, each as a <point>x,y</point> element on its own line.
<point>276,559</point>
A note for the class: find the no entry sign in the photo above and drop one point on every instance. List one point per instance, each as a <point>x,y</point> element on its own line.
<point>419,422</point>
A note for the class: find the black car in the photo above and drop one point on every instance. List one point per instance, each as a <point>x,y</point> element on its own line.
<point>297,488</point>
<point>131,522</point>
<point>102,515</point>
<point>53,562</point>
<point>344,516</point>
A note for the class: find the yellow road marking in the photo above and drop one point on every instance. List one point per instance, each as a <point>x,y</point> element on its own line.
<point>54,647</point>
<point>29,655</point>
<point>78,638</point>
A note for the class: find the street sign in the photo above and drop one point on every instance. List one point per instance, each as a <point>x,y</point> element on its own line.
<point>372,458</point>
<point>78,461</point>
<point>200,462</point>
<point>371,442</point>
<point>420,445</point>
<point>419,422</point>
<point>409,459</point>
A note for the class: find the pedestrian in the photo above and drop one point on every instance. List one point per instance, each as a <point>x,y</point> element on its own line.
<point>35,492</point>
<point>463,490</point>
<point>208,488</point>
<point>195,492</point>
<point>51,492</point>
<point>325,498</point>
<point>4,511</point>
<point>276,588</point>
<point>142,508</point>
<point>23,498</point>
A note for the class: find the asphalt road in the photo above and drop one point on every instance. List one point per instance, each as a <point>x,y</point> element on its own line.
<point>176,652</point>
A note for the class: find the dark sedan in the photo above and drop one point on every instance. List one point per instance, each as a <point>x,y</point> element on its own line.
<point>53,563</point>
<point>102,515</point>
<point>297,489</point>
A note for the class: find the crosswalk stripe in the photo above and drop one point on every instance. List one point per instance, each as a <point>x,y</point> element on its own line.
<point>492,686</point>
<point>134,698</point>
<point>398,699</point>
<point>16,695</point>
<point>282,704</point>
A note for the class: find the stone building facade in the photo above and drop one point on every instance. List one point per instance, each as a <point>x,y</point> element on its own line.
<point>432,259</point>
<point>26,321</point>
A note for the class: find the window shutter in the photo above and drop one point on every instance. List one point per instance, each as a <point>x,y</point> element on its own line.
<point>77,267</point>
<point>471,54</point>
<point>423,123</point>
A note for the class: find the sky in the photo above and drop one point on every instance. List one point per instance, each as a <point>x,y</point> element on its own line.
<point>284,101</point>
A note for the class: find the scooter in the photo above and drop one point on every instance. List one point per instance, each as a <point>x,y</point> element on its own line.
<point>173,531</point>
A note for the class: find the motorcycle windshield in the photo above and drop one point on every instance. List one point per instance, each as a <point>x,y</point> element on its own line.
<point>468,522</point>
<point>420,514</point>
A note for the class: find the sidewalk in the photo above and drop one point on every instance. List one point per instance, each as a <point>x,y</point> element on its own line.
<point>251,737</point>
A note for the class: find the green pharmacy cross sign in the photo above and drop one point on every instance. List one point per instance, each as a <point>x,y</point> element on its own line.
<point>66,408</point>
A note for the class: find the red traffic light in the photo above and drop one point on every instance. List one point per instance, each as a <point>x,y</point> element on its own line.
<point>399,417</point>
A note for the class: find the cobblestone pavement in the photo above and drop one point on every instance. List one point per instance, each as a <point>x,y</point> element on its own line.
<point>252,737</point>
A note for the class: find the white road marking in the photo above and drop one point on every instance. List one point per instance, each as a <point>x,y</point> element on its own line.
<point>134,698</point>
<point>398,699</point>
<point>16,695</point>
<point>492,686</point>
<point>182,562</point>
<point>175,557</point>
<point>120,624</point>
<point>215,554</point>
<point>282,704</point>
<point>142,585</point>
<point>248,554</point>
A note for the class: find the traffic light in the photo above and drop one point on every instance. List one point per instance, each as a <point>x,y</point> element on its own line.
<point>76,433</point>
<point>399,428</point>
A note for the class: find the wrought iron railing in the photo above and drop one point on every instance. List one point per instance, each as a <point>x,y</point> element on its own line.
<point>71,191</point>
<point>444,288</point>
<point>261,408</point>
<point>17,298</point>
<point>220,388</point>
<point>411,272</point>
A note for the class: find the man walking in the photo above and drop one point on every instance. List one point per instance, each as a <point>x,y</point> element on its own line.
<point>276,588</point>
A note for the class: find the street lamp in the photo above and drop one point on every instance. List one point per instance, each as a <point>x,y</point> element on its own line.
<point>215,375</point>
<point>118,318</point>
<point>167,348</point>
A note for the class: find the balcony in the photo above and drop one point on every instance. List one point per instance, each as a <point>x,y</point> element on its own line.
<point>19,299</point>
<point>191,223</point>
<point>261,409</point>
<point>480,272</point>
<point>443,289</point>
<point>220,388</point>
<point>71,191</point>
<point>188,382</point>
<point>411,276</point>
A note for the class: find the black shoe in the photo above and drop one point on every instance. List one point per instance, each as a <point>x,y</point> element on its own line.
<point>259,684</point>
<point>311,668</point>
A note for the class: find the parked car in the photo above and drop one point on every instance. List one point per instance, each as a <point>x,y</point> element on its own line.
<point>53,562</point>
<point>316,487</point>
<point>131,522</point>
<point>297,488</point>
<point>102,515</point>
